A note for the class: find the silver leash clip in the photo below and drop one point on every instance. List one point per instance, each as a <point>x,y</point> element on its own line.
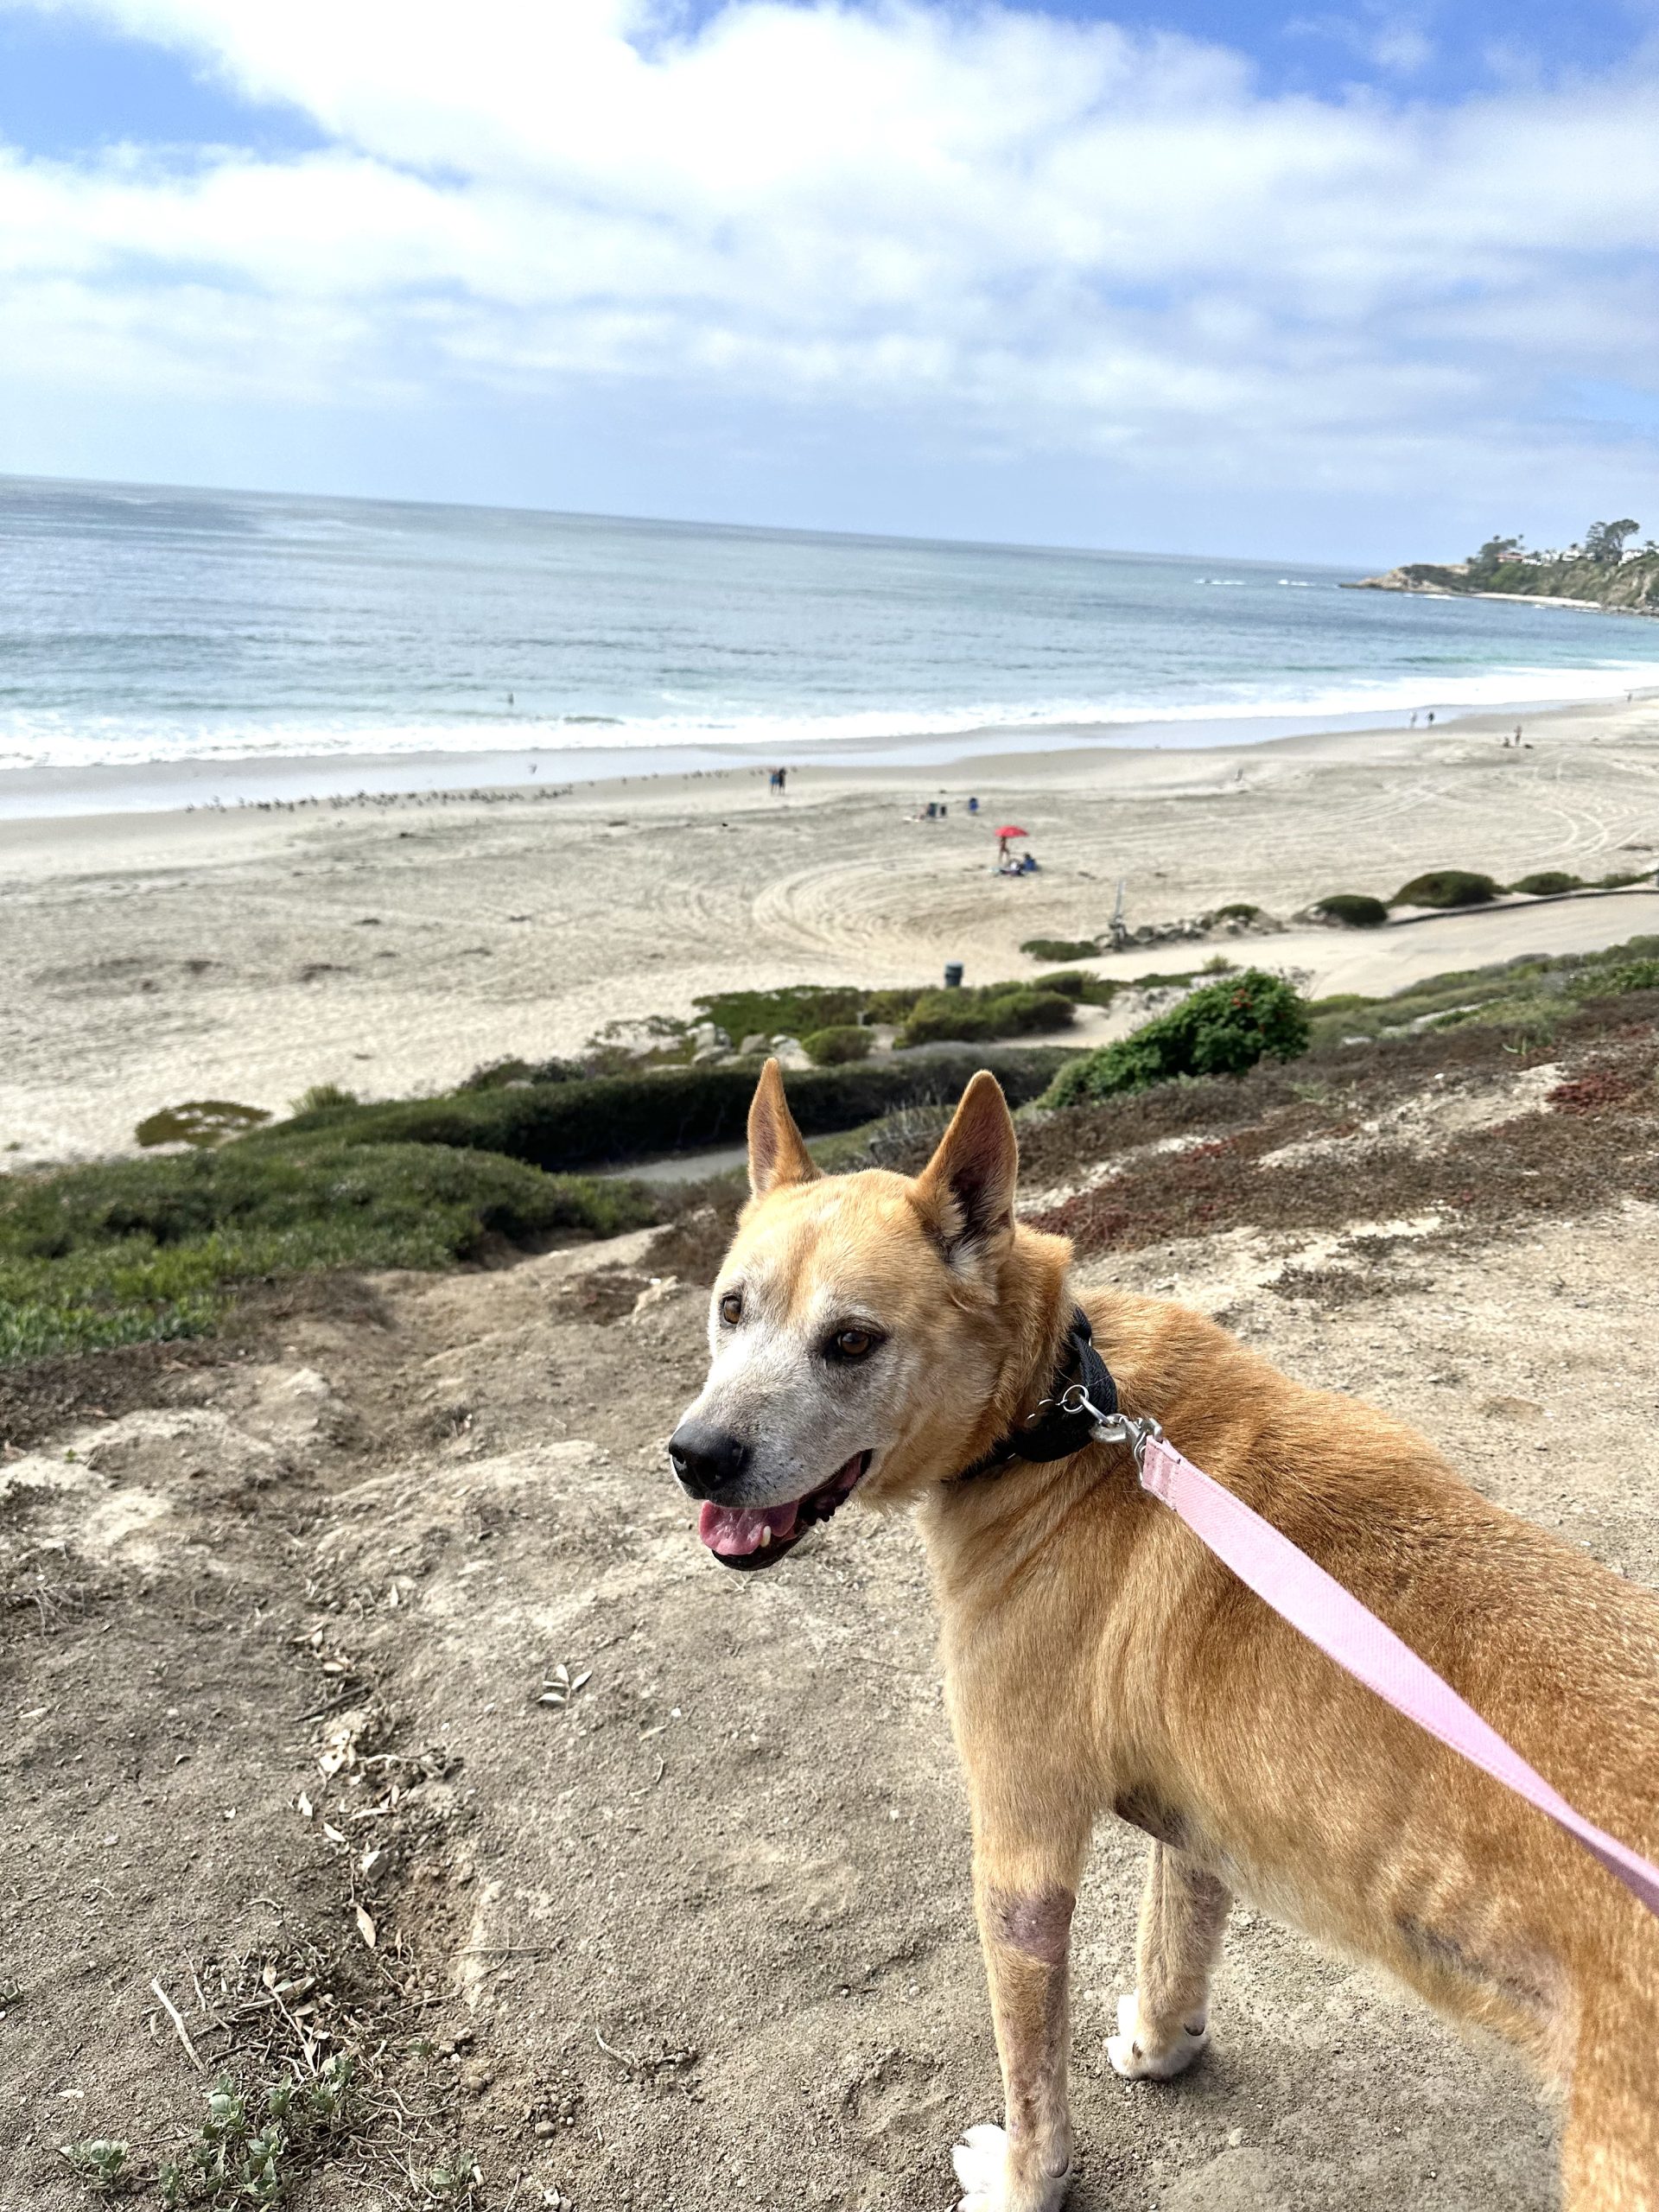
<point>1113,1428</point>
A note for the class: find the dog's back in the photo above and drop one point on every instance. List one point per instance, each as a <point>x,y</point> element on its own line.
<point>1405,1850</point>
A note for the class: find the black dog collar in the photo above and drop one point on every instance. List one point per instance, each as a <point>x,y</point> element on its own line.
<point>1080,1396</point>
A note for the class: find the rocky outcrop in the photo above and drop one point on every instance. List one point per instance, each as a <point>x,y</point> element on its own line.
<point>1629,587</point>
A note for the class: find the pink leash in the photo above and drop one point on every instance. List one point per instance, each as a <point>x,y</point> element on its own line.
<point>1305,1596</point>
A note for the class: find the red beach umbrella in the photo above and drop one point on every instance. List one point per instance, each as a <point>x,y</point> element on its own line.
<point>1012,829</point>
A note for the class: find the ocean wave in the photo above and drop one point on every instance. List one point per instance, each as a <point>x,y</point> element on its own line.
<point>34,739</point>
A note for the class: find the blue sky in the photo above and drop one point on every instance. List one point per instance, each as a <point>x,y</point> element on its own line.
<point>68,85</point>
<point>1351,283</point>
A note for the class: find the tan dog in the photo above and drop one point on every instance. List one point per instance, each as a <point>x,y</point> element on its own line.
<point>877,1334</point>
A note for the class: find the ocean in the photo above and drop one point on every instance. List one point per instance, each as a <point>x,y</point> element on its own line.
<point>146,627</point>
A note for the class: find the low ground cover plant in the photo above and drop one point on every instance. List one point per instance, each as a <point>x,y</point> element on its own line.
<point>1625,975</point>
<point>565,1127</point>
<point>1222,1029</point>
<point>1448,887</point>
<point>201,1122</point>
<point>493,1075</point>
<point>994,1010</point>
<point>1061,948</point>
<point>1531,994</point>
<point>104,2163</point>
<point>131,1251</point>
<point>254,2141</point>
<point>1077,983</point>
<point>134,1251</point>
<point>1548,883</point>
<point>1352,910</point>
<point>795,1011</point>
<point>834,1047</point>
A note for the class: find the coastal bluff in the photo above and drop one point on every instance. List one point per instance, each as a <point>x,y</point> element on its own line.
<point>1580,578</point>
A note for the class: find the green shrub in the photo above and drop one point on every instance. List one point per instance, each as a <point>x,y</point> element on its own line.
<point>497,1075</point>
<point>321,1094</point>
<point>1078,984</point>
<point>833,1048</point>
<point>941,1017</point>
<point>1061,948</point>
<point>1623,882</point>
<point>895,1005</point>
<point>1239,910</point>
<point>1446,887</point>
<point>797,1010</point>
<point>1223,1029</point>
<point>558,1127</point>
<point>1548,883</point>
<point>1353,910</point>
<point>1633,976</point>
<point>201,1122</point>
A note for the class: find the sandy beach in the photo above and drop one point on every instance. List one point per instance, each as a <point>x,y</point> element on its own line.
<point>391,945</point>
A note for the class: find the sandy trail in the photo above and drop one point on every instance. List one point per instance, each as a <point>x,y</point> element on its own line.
<point>393,947</point>
<point>703,1939</point>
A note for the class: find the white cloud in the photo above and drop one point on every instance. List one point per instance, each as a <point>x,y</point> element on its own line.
<point>1058,236</point>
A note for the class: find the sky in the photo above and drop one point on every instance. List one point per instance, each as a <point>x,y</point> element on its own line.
<point>1364,283</point>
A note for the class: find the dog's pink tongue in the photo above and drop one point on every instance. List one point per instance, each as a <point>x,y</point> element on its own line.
<point>737,1530</point>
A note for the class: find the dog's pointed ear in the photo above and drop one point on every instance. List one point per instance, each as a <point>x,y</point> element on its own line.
<point>777,1154</point>
<point>966,1190</point>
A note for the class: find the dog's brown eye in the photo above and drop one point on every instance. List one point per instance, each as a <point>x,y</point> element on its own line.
<point>731,1308</point>
<point>853,1343</point>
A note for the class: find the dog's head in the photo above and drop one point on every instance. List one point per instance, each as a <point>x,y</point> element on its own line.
<point>862,1330</point>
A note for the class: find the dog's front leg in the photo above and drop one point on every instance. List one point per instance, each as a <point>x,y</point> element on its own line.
<point>1163,2026</point>
<point>1025,1887</point>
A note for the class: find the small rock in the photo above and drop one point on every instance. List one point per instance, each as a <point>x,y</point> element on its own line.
<point>476,2075</point>
<point>658,1289</point>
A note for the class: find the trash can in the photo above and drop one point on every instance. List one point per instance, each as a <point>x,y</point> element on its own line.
<point>953,974</point>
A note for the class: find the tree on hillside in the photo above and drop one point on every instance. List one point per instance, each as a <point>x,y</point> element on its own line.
<point>1494,553</point>
<point>1604,541</point>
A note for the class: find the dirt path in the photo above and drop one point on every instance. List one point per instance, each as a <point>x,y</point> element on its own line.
<point>687,1923</point>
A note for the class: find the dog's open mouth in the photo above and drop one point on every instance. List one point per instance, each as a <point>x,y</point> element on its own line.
<point>757,1535</point>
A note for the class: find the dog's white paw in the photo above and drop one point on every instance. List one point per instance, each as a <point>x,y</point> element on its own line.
<point>981,2162</point>
<point>1130,2057</point>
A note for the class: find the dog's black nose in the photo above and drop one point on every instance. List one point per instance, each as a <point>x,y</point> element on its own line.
<point>707,1459</point>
